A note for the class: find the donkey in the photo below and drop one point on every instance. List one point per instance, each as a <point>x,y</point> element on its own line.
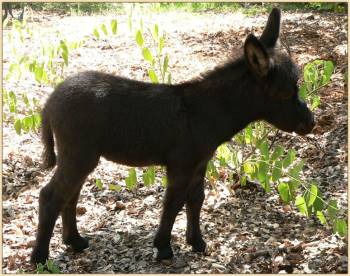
<point>179,126</point>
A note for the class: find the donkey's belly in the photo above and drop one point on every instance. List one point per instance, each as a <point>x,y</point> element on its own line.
<point>134,159</point>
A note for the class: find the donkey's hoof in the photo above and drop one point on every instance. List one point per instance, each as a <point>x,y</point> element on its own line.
<point>38,257</point>
<point>198,244</point>
<point>165,254</point>
<point>78,244</point>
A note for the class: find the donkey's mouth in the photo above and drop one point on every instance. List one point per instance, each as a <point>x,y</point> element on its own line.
<point>303,129</point>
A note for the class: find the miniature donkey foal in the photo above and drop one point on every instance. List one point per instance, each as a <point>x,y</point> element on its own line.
<point>93,114</point>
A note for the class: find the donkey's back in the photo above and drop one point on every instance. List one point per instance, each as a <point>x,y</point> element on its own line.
<point>118,118</point>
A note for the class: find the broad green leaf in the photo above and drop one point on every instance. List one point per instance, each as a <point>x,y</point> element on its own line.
<point>13,97</point>
<point>294,172</point>
<point>155,31</point>
<point>277,171</point>
<point>32,66</point>
<point>309,72</point>
<point>321,217</point>
<point>44,78</point>
<point>300,203</point>
<point>248,134</point>
<point>243,180</point>
<point>4,23</point>
<point>99,184</point>
<point>248,168</point>
<point>265,183</point>
<point>293,187</point>
<point>114,26</point>
<point>169,78</point>
<point>152,75</point>
<point>332,209</point>
<point>27,123</point>
<point>313,195</point>
<point>131,180</point>
<point>149,176</point>
<point>23,59</point>
<point>235,159</point>
<point>18,126</point>
<point>104,29</point>
<point>165,64</point>
<point>37,120</point>
<point>114,187</point>
<point>328,71</point>
<point>263,175</point>
<point>264,150</point>
<point>139,38</point>
<point>13,107</point>
<point>96,33</point>
<point>223,154</point>
<point>65,58</point>
<point>39,70</point>
<point>147,55</point>
<point>283,189</point>
<point>161,44</point>
<point>289,158</point>
<point>12,68</point>
<point>211,171</point>
<point>318,203</point>
<point>316,100</point>
<point>53,268</point>
<point>303,92</point>
<point>239,138</point>
<point>277,153</point>
<point>5,95</point>
<point>73,45</point>
<point>64,47</point>
<point>164,181</point>
<point>341,227</point>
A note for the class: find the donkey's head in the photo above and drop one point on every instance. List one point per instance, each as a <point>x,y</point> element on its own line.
<point>276,77</point>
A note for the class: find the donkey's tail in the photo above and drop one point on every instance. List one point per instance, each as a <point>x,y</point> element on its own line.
<point>49,157</point>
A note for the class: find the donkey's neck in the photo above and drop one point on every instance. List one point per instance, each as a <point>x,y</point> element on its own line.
<point>222,103</point>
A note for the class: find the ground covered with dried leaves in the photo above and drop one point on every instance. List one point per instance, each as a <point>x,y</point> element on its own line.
<point>248,231</point>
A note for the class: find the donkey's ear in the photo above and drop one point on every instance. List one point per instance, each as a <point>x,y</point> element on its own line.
<point>256,56</point>
<point>272,29</point>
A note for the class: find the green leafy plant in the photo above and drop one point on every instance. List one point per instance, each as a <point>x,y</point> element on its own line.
<point>106,29</point>
<point>153,53</point>
<point>317,74</point>
<point>49,268</point>
<point>46,66</point>
<point>131,180</point>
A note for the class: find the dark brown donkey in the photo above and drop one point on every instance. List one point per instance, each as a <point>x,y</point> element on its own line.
<point>179,126</point>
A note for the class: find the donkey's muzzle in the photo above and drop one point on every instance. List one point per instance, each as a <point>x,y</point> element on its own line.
<point>306,127</point>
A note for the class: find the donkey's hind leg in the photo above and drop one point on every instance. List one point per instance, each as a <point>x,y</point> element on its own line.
<point>59,194</point>
<point>70,233</point>
<point>51,201</point>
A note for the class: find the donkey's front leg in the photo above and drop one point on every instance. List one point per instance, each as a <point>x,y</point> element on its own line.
<point>194,202</point>
<point>178,181</point>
